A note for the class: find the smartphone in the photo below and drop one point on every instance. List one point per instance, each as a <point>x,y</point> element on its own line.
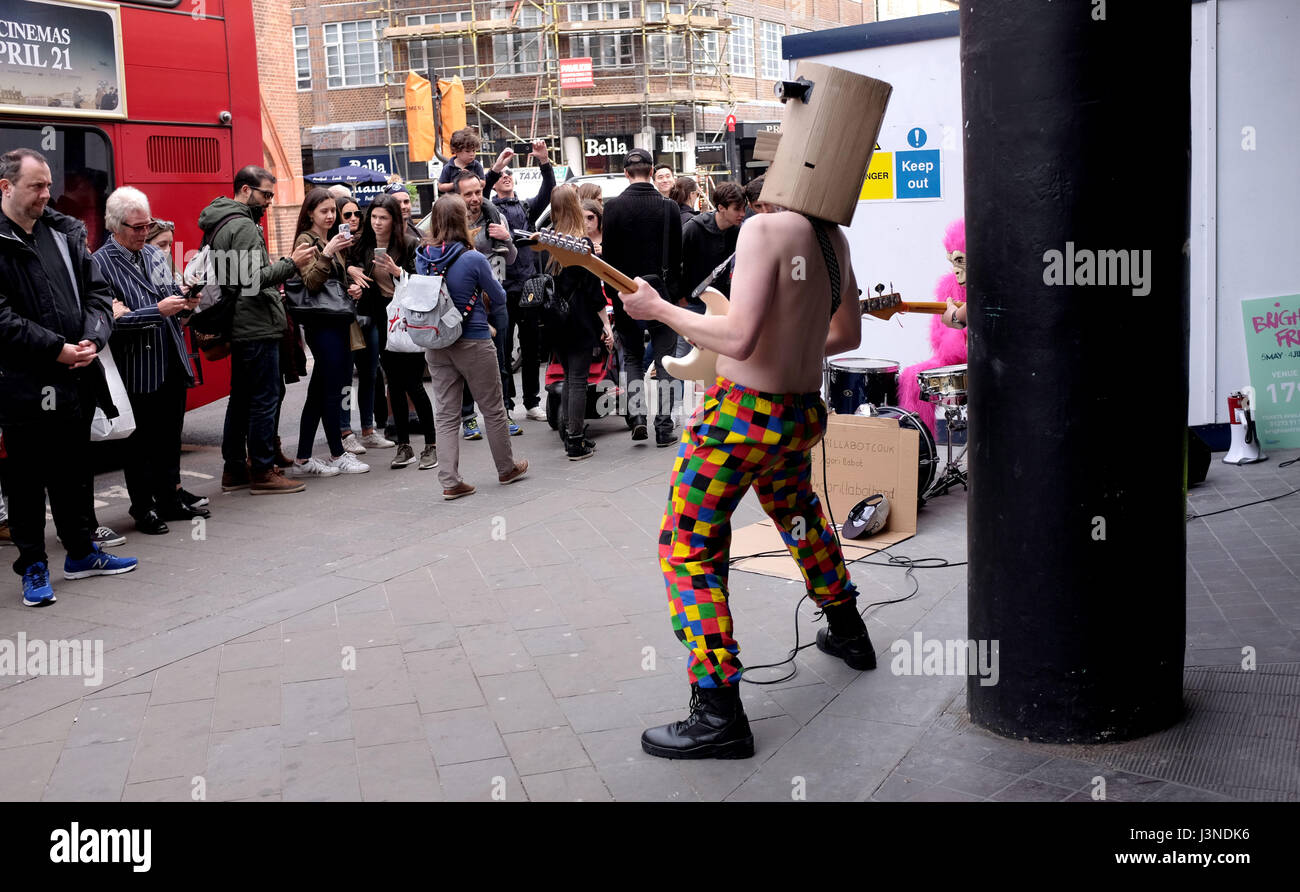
<point>346,230</point>
<point>381,252</point>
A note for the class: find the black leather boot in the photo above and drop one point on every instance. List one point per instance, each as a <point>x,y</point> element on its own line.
<point>576,447</point>
<point>846,637</point>
<point>716,729</point>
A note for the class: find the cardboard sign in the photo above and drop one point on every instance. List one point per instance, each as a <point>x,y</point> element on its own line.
<point>863,456</point>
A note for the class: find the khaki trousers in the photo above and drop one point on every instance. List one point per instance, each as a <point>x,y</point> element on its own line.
<point>472,361</point>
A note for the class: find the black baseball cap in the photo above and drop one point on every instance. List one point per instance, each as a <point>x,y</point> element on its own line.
<point>637,156</point>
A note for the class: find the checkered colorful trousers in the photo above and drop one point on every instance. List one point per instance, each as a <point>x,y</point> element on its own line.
<point>740,438</point>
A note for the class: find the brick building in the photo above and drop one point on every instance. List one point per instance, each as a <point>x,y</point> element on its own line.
<point>665,74</point>
<point>280,133</point>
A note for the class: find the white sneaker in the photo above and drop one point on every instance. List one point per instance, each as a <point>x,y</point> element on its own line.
<point>312,467</point>
<point>353,445</point>
<point>375,440</point>
<point>347,463</point>
<point>536,413</point>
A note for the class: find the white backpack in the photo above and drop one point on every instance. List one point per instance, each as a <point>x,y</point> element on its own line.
<point>428,314</point>
<point>399,341</point>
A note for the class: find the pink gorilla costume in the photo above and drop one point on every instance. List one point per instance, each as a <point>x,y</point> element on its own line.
<point>949,344</point>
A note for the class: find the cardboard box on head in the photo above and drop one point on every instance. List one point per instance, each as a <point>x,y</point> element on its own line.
<point>828,132</point>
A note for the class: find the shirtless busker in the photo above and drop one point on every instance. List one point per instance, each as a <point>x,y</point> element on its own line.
<point>756,428</point>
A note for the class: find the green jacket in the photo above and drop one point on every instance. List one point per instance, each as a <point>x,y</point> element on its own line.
<point>244,266</point>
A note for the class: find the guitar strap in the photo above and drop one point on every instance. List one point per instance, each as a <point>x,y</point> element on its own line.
<point>828,254</point>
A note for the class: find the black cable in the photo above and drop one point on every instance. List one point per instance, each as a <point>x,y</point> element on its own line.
<point>1247,505</point>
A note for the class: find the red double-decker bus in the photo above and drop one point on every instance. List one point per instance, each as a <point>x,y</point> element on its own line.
<point>161,95</point>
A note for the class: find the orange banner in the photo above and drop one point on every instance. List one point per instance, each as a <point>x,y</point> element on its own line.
<point>419,118</point>
<point>452,93</point>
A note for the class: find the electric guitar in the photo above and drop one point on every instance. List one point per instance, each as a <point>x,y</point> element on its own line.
<point>701,365</point>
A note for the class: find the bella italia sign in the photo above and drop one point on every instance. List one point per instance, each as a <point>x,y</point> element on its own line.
<point>61,58</point>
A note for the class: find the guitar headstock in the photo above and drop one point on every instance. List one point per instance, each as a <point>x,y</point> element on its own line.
<point>882,306</point>
<point>571,250</point>
<point>559,245</point>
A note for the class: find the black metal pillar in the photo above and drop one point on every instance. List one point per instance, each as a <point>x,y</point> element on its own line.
<point>1077,152</point>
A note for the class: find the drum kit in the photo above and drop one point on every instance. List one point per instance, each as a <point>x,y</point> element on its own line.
<point>858,385</point>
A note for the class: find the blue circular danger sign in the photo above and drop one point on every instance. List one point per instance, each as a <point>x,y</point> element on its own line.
<point>916,137</point>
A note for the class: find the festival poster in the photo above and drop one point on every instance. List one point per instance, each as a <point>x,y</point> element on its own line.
<point>61,58</point>
<point>1273,351</point>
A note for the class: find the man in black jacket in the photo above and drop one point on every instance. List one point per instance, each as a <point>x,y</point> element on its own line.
<point>709,239</point>
<point>523,215</point>
<point>56,314</point>
<point>635,225</point>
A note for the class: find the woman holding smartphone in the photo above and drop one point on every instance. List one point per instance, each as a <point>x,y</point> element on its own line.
<point>329,341</point>
<point>367,359</point>
<point>384,252</point>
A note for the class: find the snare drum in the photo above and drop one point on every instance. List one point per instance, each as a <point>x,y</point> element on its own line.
<point>945,385</point>
<point>927,454</point>
<point>855,380</point>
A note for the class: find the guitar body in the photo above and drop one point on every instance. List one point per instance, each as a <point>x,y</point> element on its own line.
<point>700,365</point>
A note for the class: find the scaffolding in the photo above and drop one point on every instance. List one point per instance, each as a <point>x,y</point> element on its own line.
<point>664,59</point>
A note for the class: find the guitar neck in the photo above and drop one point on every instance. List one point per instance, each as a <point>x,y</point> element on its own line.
<point>924,306</point>
<point>607,274</point>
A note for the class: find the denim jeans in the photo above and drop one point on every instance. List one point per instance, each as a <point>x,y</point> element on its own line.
<point>254,401</point>
<point>663,342</point>
<point>367,362</point>
<point>331,374</point>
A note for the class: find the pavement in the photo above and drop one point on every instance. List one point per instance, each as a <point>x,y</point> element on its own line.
<point>366,640</point>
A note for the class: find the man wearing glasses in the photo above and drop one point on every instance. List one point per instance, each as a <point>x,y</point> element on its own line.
<point>151,355</point>
<point>231,228</point>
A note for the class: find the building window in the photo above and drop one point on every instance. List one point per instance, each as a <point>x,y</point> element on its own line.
<point>302,57</point>
<point>434,57</point>
<point>794,30</point>
<point>704,50</point>
<point>772,34</point>
<point>609,50</point>
<point>522,50</point>
<point>742,46</point>
<point>352,54</point>
<point>667,51</point>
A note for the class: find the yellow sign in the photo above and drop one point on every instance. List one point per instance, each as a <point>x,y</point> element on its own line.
<point>879,182</point>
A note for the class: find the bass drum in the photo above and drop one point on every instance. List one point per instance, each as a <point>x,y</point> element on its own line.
<point>927,453</point>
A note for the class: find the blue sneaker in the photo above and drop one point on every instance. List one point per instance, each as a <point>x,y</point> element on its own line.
<point>471,429</point>
<point>515,430</point>
<point>97,563</point>
<point>37,591</point>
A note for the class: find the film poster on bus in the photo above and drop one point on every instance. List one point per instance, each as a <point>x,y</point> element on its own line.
<point>61,58</point>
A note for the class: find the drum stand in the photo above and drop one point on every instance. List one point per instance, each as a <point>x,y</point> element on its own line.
<point>953,473</point>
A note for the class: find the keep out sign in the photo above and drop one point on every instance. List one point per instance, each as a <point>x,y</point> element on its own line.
<point>917,174</point>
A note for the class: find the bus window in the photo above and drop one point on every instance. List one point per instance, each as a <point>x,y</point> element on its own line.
<point>81,165</point>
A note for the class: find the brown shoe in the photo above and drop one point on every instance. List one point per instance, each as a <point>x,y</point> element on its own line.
<point>273,481</point>
<point>281,460</point>
<point>460,489</point>
<point>231,482</point>
<point>6,538</point>
<point>521,468</point>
